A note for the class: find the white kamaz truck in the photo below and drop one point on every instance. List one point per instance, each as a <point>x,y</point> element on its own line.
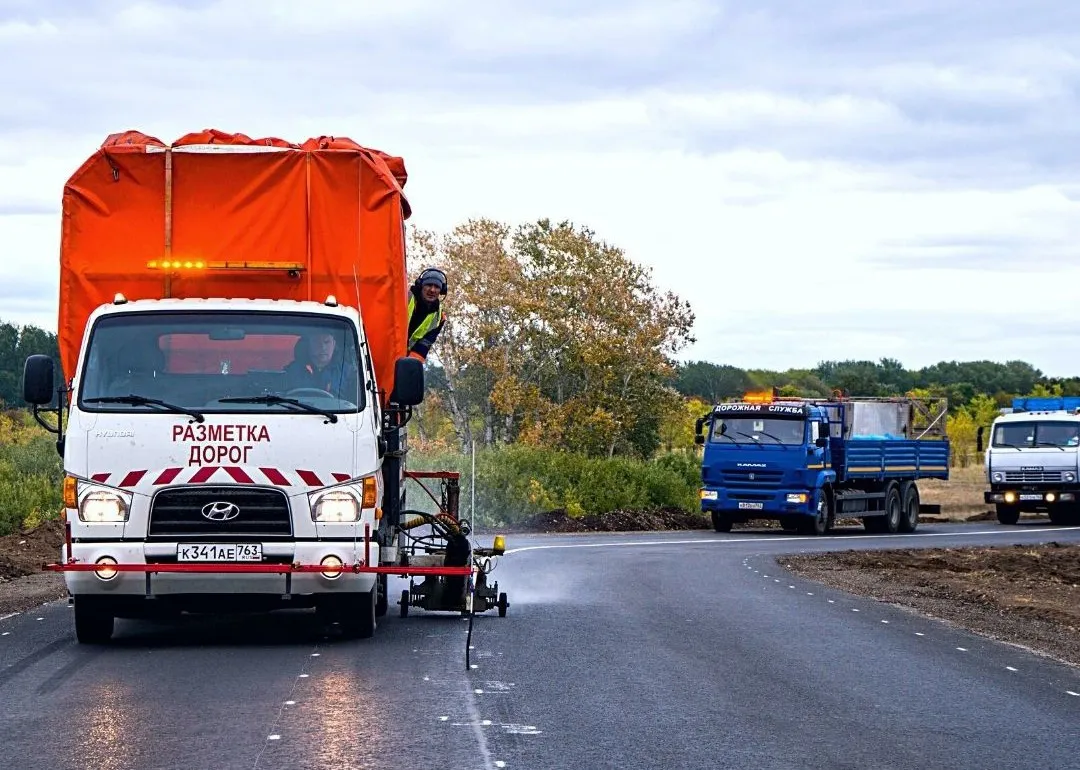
<point>1032,460</point>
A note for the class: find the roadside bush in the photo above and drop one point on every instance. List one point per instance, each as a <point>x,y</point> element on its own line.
<point>31,474</point>
<point>516,482</point>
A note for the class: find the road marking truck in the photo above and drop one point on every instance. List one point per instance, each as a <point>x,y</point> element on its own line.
<point>1032,460</point>
<point>234,378</point>
<point>808,462</point>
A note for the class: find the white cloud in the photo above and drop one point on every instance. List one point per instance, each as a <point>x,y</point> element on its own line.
<point>868,181</point>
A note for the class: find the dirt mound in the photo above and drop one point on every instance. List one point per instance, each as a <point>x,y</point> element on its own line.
<point>1024,594</point>
<point>23,553</point>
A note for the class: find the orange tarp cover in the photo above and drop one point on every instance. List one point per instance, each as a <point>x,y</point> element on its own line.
<point>328,203</point>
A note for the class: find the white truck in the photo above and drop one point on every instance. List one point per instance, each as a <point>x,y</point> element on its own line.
<point>1032,460</point>
<point>235,432</point>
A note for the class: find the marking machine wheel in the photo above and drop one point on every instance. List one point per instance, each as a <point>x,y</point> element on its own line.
<point>93,621</point>
<point>382,604</point>
<point>503,604</point>
<point>721,522</point>
<point>909,518</point>
<point>404,603</point>
<point>1007,514</point>
<point>356,613</point>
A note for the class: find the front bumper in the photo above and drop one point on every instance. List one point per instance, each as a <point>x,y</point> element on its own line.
<point>757,503</point>
<point>1041,498</point>
<point>151,569</point>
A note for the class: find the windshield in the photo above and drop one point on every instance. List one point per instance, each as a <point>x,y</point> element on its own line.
<point>1033,434</point>
<point>156,362</point>
<point>759,430</point>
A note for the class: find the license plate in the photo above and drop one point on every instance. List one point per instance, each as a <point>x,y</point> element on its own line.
<point>219,552</point>
<point>752,506</point>
<point>1031,497</point>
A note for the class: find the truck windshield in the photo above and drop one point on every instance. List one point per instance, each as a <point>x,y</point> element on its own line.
<point>759,430</point>
<point>196,361</point>
<point>1033,434</point>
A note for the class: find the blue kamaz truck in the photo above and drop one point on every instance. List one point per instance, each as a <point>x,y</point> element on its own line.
<point>809,462</point>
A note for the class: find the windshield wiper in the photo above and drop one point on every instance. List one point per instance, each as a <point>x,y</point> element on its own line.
<point>1050,443</point>
<point>272,399</point>
<point>774,438</point>
<point>729,438</point>
<point>750,437</point>
<point>1013,446</point>
<point>144,401</point>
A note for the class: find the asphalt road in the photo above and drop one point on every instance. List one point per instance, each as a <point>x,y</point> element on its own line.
<point>629,651</point>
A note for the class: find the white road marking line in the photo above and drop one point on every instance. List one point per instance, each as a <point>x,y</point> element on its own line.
<point>773,539</point>
<point>9,615</point>
<point>919,633</point>
<point>885,622</point>
<point>962,649</point>
<point>1070,692</point>
<point>1010,668</point>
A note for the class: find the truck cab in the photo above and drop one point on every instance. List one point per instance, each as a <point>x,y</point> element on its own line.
<point>1032,460</point>
<point>807,462</point>
<point>205,432</point>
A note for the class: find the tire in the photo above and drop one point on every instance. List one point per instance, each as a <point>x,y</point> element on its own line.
<point>503,604</point>
<point>93,621</point>
<point>1007,514</point>
<point>382,604</point>
<point>356,614</point>
<point>721,522</point>
<point>822,523</point>
<point>909,512</point>
<point>404,603</point>
<point>890,523</point>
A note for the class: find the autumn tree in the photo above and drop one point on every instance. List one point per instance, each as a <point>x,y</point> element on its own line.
<point>555,338</point>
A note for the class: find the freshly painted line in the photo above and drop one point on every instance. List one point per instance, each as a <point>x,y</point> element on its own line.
<point>1010,668</point>
<point>9,615</point>
<point>771,539</point>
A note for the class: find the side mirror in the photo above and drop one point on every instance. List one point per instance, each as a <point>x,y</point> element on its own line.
<point>408,382</point>
<point>821,441</point>
<point>38,375</point>
<point>978,439</point>
<point>699,439</point>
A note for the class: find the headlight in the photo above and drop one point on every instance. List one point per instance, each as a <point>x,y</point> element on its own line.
<point>336,505</point>
<point>1069,477</point>
<point>103,506</point>
<point>998,477</point>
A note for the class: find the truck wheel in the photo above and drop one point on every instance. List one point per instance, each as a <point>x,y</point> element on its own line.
<point>93,621</point>
<point>721,522</point>
<point>1007,514</point>
<point>357,614</point>
<point>503,604</point>
<point>909,518</point>
<point>822,522</point>
<point>1061,517</point>
<point>890,524</point>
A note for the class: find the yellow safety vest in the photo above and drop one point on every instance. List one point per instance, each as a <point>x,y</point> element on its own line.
<point>430,322</point>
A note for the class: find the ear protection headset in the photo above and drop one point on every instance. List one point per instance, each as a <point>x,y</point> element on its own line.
<point>433,274</point>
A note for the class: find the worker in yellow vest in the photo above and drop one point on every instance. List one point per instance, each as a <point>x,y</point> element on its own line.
<point>426,317</point>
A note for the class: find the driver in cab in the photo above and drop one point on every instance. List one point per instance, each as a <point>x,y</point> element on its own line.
<point>317,363</point>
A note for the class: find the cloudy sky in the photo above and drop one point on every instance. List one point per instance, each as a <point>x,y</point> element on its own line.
<point>821,180</point>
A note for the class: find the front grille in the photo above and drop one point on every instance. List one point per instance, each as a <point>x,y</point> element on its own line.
<point>762,479</point>
<point>176,514</point>
<point>1033,477</point>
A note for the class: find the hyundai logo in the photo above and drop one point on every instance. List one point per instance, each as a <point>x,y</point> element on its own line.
<point>220,511</point>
